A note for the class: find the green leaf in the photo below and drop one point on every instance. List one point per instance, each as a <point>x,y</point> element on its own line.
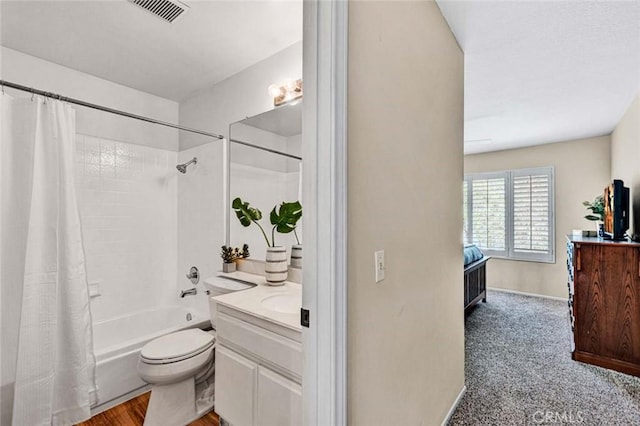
<point>286,217</point>
<point>245,213</point>
<point>596,207</point>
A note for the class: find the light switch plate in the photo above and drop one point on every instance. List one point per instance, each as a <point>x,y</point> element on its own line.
<point>380,267</point>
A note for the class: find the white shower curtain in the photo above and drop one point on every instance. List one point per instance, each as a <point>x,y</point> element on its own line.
<point>48,364</point>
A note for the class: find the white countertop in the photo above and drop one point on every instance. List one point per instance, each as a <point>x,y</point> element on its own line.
<point>250,301</point>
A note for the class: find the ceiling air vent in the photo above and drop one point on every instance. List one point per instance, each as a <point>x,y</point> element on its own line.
<point>169,10</point>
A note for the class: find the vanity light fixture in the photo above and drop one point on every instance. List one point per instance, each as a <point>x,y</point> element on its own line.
<point>290,91</point>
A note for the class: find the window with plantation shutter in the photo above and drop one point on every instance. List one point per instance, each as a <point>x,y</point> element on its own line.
<point>488,214</point>
<point>531,213</point>
<point>510,214</point>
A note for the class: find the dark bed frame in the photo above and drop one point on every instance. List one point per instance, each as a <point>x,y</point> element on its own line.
<point>475,283</point>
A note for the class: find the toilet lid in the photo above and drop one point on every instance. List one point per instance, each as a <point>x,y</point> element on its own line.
<point>177,346</point>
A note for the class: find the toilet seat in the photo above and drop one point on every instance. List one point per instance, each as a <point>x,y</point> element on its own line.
<point>176,356</point>
<point>176,347</point>
<point>160,374</point>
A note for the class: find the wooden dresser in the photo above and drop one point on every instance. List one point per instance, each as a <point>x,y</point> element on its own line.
<point>604,302</point>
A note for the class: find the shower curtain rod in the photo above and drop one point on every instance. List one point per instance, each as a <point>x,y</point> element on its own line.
<point>4,83</point>
<point>273,151</point>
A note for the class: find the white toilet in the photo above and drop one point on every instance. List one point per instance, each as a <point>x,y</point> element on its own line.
<point>180,368</point>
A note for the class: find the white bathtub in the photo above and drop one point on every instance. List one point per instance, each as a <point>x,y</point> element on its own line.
<point>117,343</point>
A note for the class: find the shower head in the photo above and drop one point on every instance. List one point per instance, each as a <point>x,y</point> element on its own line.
<point>182,168</point>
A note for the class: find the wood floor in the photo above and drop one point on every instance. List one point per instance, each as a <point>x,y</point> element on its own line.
<point>131,413</point>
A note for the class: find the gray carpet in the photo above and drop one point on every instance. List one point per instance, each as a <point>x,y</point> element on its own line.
<point>519,370</point>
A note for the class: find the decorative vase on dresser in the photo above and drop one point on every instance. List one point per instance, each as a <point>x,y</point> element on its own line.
<point>604,302</point>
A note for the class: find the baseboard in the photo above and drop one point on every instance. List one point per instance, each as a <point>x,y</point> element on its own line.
<point>454,406</point>
<point>522,293</point>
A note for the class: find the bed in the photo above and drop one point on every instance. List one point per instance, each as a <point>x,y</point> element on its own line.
<point>475,276</point>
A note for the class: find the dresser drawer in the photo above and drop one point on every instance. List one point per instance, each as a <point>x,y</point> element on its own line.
<point>278,351</point>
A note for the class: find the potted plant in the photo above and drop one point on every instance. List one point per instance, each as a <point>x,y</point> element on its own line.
<point>597,213</point>
<point>285,220</point>
<point>229,256</point>
<point>228,259</point>
<point>245,251</point>
<point>276,268</point>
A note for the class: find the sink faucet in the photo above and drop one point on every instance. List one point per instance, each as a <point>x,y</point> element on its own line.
<point>190,292</point>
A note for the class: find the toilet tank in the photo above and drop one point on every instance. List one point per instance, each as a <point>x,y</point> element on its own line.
<point>218,286</point>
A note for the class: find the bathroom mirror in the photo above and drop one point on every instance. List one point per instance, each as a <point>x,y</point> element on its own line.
<point>264,169</point>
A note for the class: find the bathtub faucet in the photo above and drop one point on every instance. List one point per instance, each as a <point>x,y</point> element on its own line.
<point>190,292</point>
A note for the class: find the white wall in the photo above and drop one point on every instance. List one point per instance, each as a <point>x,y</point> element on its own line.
<point>241,154</point>
<point>200,209</point>
<point>582,170</point>
<point>294,146</point>
<point>127,199</point>
<point>30,71</point>
<point>625,158</point>
<point>405,113</point>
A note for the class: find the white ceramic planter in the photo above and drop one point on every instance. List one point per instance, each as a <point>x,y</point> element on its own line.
<point>296,256</point>
<point>276,267</point>
<point>228,267</point>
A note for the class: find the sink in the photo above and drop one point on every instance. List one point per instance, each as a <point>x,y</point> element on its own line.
<point>284,303</point>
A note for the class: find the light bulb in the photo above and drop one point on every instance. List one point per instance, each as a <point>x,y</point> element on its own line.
<point>291,85</point>
<point>275,90</point>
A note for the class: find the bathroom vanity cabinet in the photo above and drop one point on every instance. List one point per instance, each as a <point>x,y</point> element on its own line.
<point>258,367</point>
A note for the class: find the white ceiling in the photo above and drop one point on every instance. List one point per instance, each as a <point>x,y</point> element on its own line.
<point>119,41</point>
<point>539,72</point>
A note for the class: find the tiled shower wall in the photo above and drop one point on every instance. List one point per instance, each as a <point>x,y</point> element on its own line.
<point>127,196</point>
